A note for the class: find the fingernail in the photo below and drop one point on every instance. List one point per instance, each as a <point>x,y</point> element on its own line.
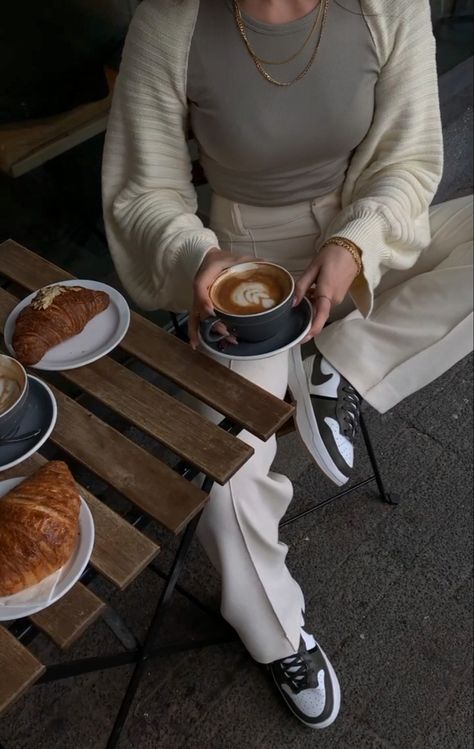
<point>295,302</point>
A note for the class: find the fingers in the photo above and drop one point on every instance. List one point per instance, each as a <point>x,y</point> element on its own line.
<point>208,273</point>
<point>220,328</point>
<point>305,281</point>
<point>322,309</point>
<point>193,328</point>
<point>202,301</point>
<point>213,264</point>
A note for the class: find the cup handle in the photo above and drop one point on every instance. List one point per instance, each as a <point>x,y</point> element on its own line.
<point>207,333</point>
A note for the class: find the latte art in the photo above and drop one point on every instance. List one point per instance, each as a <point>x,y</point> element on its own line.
<point>252,294</point>
<point>252,291</point>
<point>9,393</point>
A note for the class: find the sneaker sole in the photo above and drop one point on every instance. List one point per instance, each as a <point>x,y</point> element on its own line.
<point>306,423</point>
<point>336,689</point>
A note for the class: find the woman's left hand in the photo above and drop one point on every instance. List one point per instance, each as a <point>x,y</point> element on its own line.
<point>331,274</point>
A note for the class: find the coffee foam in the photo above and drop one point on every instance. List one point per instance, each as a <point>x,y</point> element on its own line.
<point>10,391</point>
<point>251,291</point>
<point>251,294</point>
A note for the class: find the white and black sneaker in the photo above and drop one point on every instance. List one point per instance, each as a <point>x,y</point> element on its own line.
<point>308,684</point>
<point>327,411</point>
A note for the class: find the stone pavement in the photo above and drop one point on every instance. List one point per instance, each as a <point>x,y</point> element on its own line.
<point>388,589</point>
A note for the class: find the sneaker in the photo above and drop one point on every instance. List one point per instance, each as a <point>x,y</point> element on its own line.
<point>327,411</point>
<point>308,684</point>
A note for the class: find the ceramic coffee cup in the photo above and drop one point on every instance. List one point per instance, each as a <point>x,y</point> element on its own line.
<point>252,299</point>
<point>13,395</point>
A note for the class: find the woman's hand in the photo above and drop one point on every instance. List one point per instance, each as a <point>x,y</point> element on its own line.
<point>214,263</point>
<point>331,274</point>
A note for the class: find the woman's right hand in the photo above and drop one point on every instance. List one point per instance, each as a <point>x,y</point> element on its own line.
<point>215,262</point>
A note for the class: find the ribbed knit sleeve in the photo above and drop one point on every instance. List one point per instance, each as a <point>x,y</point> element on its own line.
<point>395,171</point>
<point>156,240</point>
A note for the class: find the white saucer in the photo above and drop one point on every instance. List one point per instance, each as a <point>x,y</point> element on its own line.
<point>41,413</point>
<point>70,573</point>
<point>290,335</point>
<point>102,334</point>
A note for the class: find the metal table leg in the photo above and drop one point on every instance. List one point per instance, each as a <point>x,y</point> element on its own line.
<point>146,650</point>
<point>391,499</point>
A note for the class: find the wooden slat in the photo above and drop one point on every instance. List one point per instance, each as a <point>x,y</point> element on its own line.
<point>27,268</point>
<point>286,429</point>
<point>246,404</point>
<point>178,427</point>
<point>19,669</point>
<point>175,425</point>
<point>121,552</point>
<point>67,619</point>
<point>27,145</point>
<point>229,393</point>
<point>146,481</point>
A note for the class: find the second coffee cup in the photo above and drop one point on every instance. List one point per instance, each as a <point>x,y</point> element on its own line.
<point>13,395</point>
<point>252,299</point>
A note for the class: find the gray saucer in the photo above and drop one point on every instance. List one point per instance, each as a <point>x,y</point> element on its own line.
<point>296,327</point>
<point>41,412</point>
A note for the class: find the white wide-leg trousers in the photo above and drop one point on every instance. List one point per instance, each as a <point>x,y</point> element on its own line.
<point>421,325</point>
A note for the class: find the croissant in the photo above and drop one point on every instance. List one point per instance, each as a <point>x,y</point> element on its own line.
<point>55,314</point>
<point>39,523</point>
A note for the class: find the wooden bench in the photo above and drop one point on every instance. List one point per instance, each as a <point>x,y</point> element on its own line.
<point>154,491</point>
<point>26,145</point>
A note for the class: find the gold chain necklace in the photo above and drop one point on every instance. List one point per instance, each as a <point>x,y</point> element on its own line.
<point>317,17</point>
<point>322,14</point>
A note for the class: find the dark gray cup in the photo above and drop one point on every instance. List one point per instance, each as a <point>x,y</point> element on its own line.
<point>252,327</point>
<point>11,414</point>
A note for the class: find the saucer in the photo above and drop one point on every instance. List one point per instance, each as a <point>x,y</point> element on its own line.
<point>69,574</point>
<point>101,334</point>
<point>41,413</point>
<point>292,333</point>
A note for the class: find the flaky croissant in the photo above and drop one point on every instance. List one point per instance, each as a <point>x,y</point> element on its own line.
<point>55,314</point>
<point>39,522</point>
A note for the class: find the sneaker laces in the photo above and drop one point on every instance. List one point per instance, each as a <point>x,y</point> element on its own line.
<point>350,407</point>
<point>299,671</point>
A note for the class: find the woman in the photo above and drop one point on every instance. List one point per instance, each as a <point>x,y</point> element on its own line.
<point>319,132</point>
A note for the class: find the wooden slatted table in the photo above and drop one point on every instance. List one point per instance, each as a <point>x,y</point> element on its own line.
<point>155,490</point>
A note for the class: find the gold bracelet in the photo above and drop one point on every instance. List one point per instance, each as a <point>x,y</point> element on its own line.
<point>350,247</point>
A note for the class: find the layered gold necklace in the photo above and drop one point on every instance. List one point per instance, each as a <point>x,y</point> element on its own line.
<point>319,22</point>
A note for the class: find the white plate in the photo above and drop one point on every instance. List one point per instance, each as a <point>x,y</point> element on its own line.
<point>41,413</point>
<point>70,573</point>
<point>102,334</point>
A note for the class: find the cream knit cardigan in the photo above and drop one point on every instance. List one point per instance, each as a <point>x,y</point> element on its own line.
<point>157,241</point>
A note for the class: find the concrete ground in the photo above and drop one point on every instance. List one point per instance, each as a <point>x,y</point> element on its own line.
<point>388,589</point>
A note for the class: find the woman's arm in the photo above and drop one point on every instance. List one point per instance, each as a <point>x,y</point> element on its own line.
<point>156,240</point>
<point>395,171</point>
